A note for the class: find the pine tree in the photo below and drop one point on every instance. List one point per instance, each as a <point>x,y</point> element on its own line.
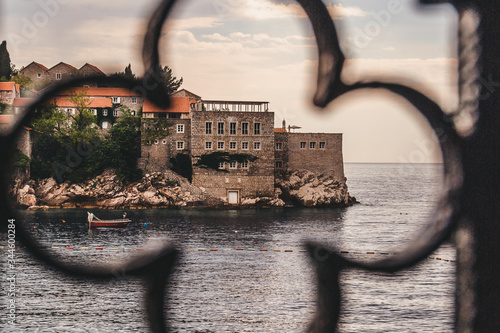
<point>5,66</point>
<point>171,81</point>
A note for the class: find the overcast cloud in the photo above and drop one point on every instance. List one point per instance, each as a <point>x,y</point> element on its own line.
<point>262,50</point>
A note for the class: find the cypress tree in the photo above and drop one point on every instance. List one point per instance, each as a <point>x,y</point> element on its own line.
<point>5,67</point>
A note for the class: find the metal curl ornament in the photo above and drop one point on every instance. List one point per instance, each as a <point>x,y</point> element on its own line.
<point>155,269</point>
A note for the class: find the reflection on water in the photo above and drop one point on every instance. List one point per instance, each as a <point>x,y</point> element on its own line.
<point>249,290</point>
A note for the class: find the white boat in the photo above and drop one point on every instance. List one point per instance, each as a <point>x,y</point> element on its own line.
<point>95,222</point>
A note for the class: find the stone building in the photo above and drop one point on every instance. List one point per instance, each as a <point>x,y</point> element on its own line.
<point>36,72</point>
<point>240,136</point>
<point>244,133</point>
<point>156,154</point>
<point>40,75</point>
<point>119,97</point>
<point>8,92</point>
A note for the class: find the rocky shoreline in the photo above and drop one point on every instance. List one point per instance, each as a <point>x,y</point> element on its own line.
<point>169,190</point>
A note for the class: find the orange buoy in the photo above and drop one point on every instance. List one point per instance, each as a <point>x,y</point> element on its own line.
<point>99,248</point>
<point>69,248</point>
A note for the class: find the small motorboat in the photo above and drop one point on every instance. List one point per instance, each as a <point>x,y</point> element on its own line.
<point>95,222</point>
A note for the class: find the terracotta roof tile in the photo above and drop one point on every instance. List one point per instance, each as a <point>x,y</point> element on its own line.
<point>7,86</point>
<point>65,64</point>
<point>94,68</point>
<point>280,130</point>
<point>6,118</point>
<point>101,92</point>
<point>39,65</point>
<point>179,105</point>
<point>22,101</point>
<point>96,102</point>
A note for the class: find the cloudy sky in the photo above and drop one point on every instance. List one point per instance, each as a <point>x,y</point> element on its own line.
<point>264,50</point>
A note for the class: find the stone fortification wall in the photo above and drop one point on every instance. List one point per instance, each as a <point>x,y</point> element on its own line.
<point>256,179</point>
<point>322,154</point>
<point>156,157</point>
<point>281,154</point>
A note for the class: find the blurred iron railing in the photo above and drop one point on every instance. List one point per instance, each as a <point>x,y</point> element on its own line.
<point>467,212</point>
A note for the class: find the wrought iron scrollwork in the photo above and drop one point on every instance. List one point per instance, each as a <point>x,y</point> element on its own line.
<point>450,214</point>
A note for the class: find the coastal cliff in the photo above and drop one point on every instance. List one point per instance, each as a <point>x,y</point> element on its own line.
<point>169,190</point>
<point>306,189</point>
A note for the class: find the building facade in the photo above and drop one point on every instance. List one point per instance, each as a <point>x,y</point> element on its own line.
<point>40,75</point>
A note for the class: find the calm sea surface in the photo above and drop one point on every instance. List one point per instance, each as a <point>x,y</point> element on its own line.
<point>246,291</point>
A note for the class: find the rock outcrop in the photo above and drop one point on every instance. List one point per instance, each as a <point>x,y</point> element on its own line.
<point>168,189</point>
<point>306,189</point>
<point>108,191</point>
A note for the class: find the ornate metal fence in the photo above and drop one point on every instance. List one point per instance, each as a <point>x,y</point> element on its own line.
<point>468,210</point>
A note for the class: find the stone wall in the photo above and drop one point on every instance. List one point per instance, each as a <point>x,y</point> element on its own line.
<point>281,153</point>
<point>127,101</point>
<point>32,71</point>
<point>156,157</point>
<point>255,180</point>
<point>63,69</point>
<point>326,161</point>
<point>7,96</point>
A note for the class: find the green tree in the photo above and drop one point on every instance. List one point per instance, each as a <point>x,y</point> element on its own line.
<point>127,73</point>
<point>5,65</point>
<point>83,128</point>
<point>171,82</point>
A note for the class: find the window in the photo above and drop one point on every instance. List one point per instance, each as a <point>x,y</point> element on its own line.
<point>105,125</point>
<point>180,145</point>
<point>302,145</point>
<point>220,145</point>
<point>279,164</point>
<point>244,145</point>
<point>72,111</point>
<point>244,164</point>
<point>322,145</point>
<point>232,165</point>
<point>220,128</point>
<point>208,145</point>
<point>232,128</point>
<point>133,113</point>
<point>134,100</point>
<point>180,128</point>
<point>256,128</point>
<point>232,145</point>
<point>279,145</point>
<point>58,76</point>
<point>115,100</point>
<point>94,112</point>
<point>208,128</point>
<point>221,165</point>
<point>256,145</point>
<point>115,113</point>
<point>104,112</point>
<point>39,75</point>
<point>312,145</point>
<point>244,128</point>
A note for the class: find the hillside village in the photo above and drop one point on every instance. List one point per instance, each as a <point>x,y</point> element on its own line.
<point>232,152</point>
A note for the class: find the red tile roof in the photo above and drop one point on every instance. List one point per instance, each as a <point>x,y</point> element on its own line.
<point>22,101</point>
<point>6,118</point>
<point>101,92</point>
<point>280,130</point>
<point>65,64</point>
<point>7,86</point>
<point>93,67</point>
<point>179,105</point>
<point>39,65</point>
<point>95,102</point>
